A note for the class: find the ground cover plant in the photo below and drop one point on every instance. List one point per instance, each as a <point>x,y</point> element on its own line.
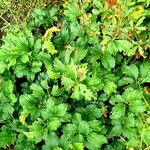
<point>77,77</point>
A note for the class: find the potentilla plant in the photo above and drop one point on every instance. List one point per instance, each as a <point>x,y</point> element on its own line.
<point>77,77</point>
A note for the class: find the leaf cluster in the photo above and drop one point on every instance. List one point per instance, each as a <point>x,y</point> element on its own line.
<point>77,77</point>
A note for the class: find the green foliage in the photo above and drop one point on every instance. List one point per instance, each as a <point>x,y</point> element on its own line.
<point>77,77</point>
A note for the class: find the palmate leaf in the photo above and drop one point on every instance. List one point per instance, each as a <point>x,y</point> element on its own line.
<point>72,10</point>
<point>27,69</point>
<point>87,93</point>
<point>64,141</point>
<point>130,120</point>
<point>71,71</point>
<point>59,66</point>
<point>68,53</point>
<point>52,110</point>
<point>78,138</point>
<point>78,88</point>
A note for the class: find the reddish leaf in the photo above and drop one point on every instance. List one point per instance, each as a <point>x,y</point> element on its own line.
<point>111,3</point>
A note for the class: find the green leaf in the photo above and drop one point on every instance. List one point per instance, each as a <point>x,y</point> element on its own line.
<point>83,128</point>
<point>23,143</point>
<point>37,90</point>
<point>110,87</point>
<point>68,52</point>
<point>116,130</point>
<point>80,91</point>
<point>131,95</point>
<point>7,136</point>
<point>95,126</point>
<point>140,21</point>
<point>67,82</point>
<point>70,129</point>
<point>28,102</point>
<point>145,136</point>
<point>61,109</point>
<point>79,54</point>
<point>145,72</point>
<point>112,48</point>
<point>54,125</point>
<point>57,148</point>
<point>51,73</point>
<point>95,141</point>
<point>125,81</point>
<point>6,111</point>
<point>108,61</point>
<point>137,106</point>
<point>76,93</point>
<point>24,58</point>
<point>77,146</point>
<point>126,47</point>
<point>50,103</point>
<point>116,99</point>
<point>59,66</point>
<point>35,132</point>
<point>2,67</point>
<point>56,91</point>
<point>87,93</point>
<point>44,84</point>
<point>118,111</point>
<point>131,71</point>
<point>133,142</point>
<point>51,141</point>
<point>8,87</point>
<point>49,46</point>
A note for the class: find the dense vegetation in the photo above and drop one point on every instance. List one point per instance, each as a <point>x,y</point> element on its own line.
<point>77,77</point>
